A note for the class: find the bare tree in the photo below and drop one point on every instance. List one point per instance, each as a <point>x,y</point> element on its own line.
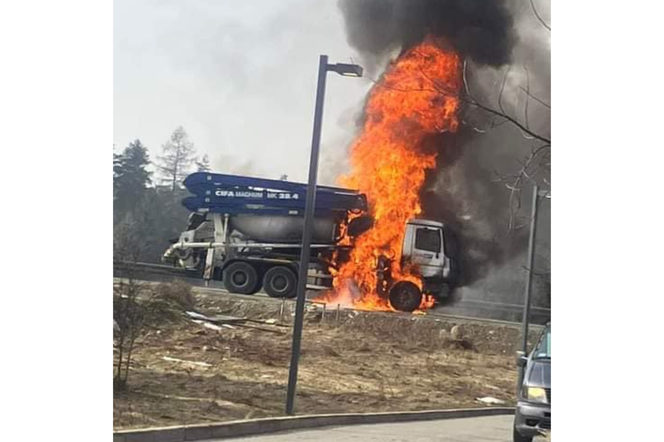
<point>203,165</point>
<point>128,317</point>
<point>177,159</point>
<point>535,166</point>
<point>127,244</point>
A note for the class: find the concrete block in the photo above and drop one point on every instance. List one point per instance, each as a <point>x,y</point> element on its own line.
<point>170,435</point>
<point>143,436</point>
<point>198,433</point>
<point>272,425</point>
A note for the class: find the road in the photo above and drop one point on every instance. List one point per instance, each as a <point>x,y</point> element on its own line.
<point>478,429</point>
<point>466,309</point>
<point>216,289</point>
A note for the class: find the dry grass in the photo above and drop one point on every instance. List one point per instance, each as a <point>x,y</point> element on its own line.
<point>177,294</point>
<point>187,373</point>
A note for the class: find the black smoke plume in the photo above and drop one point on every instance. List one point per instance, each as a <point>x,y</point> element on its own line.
<point>482,30</point>
<point>464,191</point>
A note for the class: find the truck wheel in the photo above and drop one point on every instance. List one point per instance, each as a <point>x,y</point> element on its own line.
<point>405,296</point>
<point>240,277</point>
<point>280,282</point>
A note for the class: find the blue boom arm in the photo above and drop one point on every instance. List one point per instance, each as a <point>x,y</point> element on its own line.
<point>233,194</point>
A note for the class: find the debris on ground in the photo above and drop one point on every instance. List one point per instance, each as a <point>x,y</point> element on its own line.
<point>189,372</point>
<point>207,324</point>
<point>194,363</point>
<point>490,400</point>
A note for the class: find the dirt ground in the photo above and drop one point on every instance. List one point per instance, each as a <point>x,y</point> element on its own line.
<point>185,372</point>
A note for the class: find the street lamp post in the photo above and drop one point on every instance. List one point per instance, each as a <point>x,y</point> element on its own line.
<point>531,261</point>
<point>349,70</point>
<point>525,320</point>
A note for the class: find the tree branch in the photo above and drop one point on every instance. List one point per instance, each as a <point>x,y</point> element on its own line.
<point>474,102</point>
<point>534,97</point>
<point>525,111</point>
<point>502,89</point>
<point>538,16</point>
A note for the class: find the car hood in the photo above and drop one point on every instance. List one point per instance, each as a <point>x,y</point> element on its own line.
<point>539,373</point>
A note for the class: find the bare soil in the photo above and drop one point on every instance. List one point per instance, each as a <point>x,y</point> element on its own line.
<point>185,373</point>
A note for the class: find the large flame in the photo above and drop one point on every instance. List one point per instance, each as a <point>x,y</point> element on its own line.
<point>417,97</point>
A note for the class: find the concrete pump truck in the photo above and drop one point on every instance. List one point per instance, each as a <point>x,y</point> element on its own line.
<point>247,232</point>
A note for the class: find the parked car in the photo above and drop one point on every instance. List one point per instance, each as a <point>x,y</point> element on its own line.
<point>533,409</point>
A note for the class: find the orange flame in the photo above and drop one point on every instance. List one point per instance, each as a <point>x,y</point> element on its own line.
<point>417,97</point>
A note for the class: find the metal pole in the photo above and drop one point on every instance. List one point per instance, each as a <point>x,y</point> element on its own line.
<point>531,260</point>
<point>306,236</point>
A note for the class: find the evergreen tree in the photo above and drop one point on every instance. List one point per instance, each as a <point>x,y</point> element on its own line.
<point>130,178</point>
<point>177,159</point>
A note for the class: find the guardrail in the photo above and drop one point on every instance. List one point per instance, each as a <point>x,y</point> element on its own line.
<point>468,307</point>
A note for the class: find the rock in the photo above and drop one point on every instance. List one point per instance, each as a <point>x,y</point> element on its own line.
<point>365,348</point>
<point>329,351</point>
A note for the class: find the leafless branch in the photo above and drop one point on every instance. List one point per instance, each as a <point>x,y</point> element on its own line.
<point>474,102</point>
<point>383,85</point>
<point>529,167</point>
<point>534,97</point>
<point>502,89</point>
<point>525,111</point>
<point>538,16</point>
<point>514,182</point>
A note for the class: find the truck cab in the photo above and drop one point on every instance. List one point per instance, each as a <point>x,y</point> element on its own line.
<point>428,246</point>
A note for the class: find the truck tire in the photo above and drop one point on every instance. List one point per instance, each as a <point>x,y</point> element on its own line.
<point>240,277</point>
<point>359,225</point>
<point>280,282</point>
<point>405,296</point>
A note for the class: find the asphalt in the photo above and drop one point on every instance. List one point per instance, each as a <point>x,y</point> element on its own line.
<point>216,289</point>
<point>477,429</point>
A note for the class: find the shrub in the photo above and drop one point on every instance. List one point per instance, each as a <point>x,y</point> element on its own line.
<point>129,318</point>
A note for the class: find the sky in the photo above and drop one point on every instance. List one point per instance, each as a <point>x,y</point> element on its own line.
<point>240,77</point>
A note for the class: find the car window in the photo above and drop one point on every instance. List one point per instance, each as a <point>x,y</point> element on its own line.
<point>543,349</point>
<point>427,239</point>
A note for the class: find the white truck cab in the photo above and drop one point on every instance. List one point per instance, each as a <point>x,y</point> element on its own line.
<point>424,248</point>
<point>431,250</point>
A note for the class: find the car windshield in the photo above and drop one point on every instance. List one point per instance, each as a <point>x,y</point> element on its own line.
<point>543,349</point>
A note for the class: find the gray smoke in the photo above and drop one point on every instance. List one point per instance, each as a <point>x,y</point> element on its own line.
<point>474,170</point>
<point>468,189</point>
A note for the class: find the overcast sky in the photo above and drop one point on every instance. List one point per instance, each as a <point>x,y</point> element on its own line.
<point>240,77</point>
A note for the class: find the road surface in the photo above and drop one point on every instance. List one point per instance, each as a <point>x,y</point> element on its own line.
<point>444,312</point>
<point>477,429</point>
<point>466,309</point>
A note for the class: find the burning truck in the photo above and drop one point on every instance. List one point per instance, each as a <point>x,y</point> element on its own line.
<point>371,248</point>
<point>247,232</point>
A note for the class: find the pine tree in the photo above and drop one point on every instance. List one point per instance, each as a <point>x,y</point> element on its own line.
<point>204,164</point>
<point>130,177</point>
<point>177,159</point>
